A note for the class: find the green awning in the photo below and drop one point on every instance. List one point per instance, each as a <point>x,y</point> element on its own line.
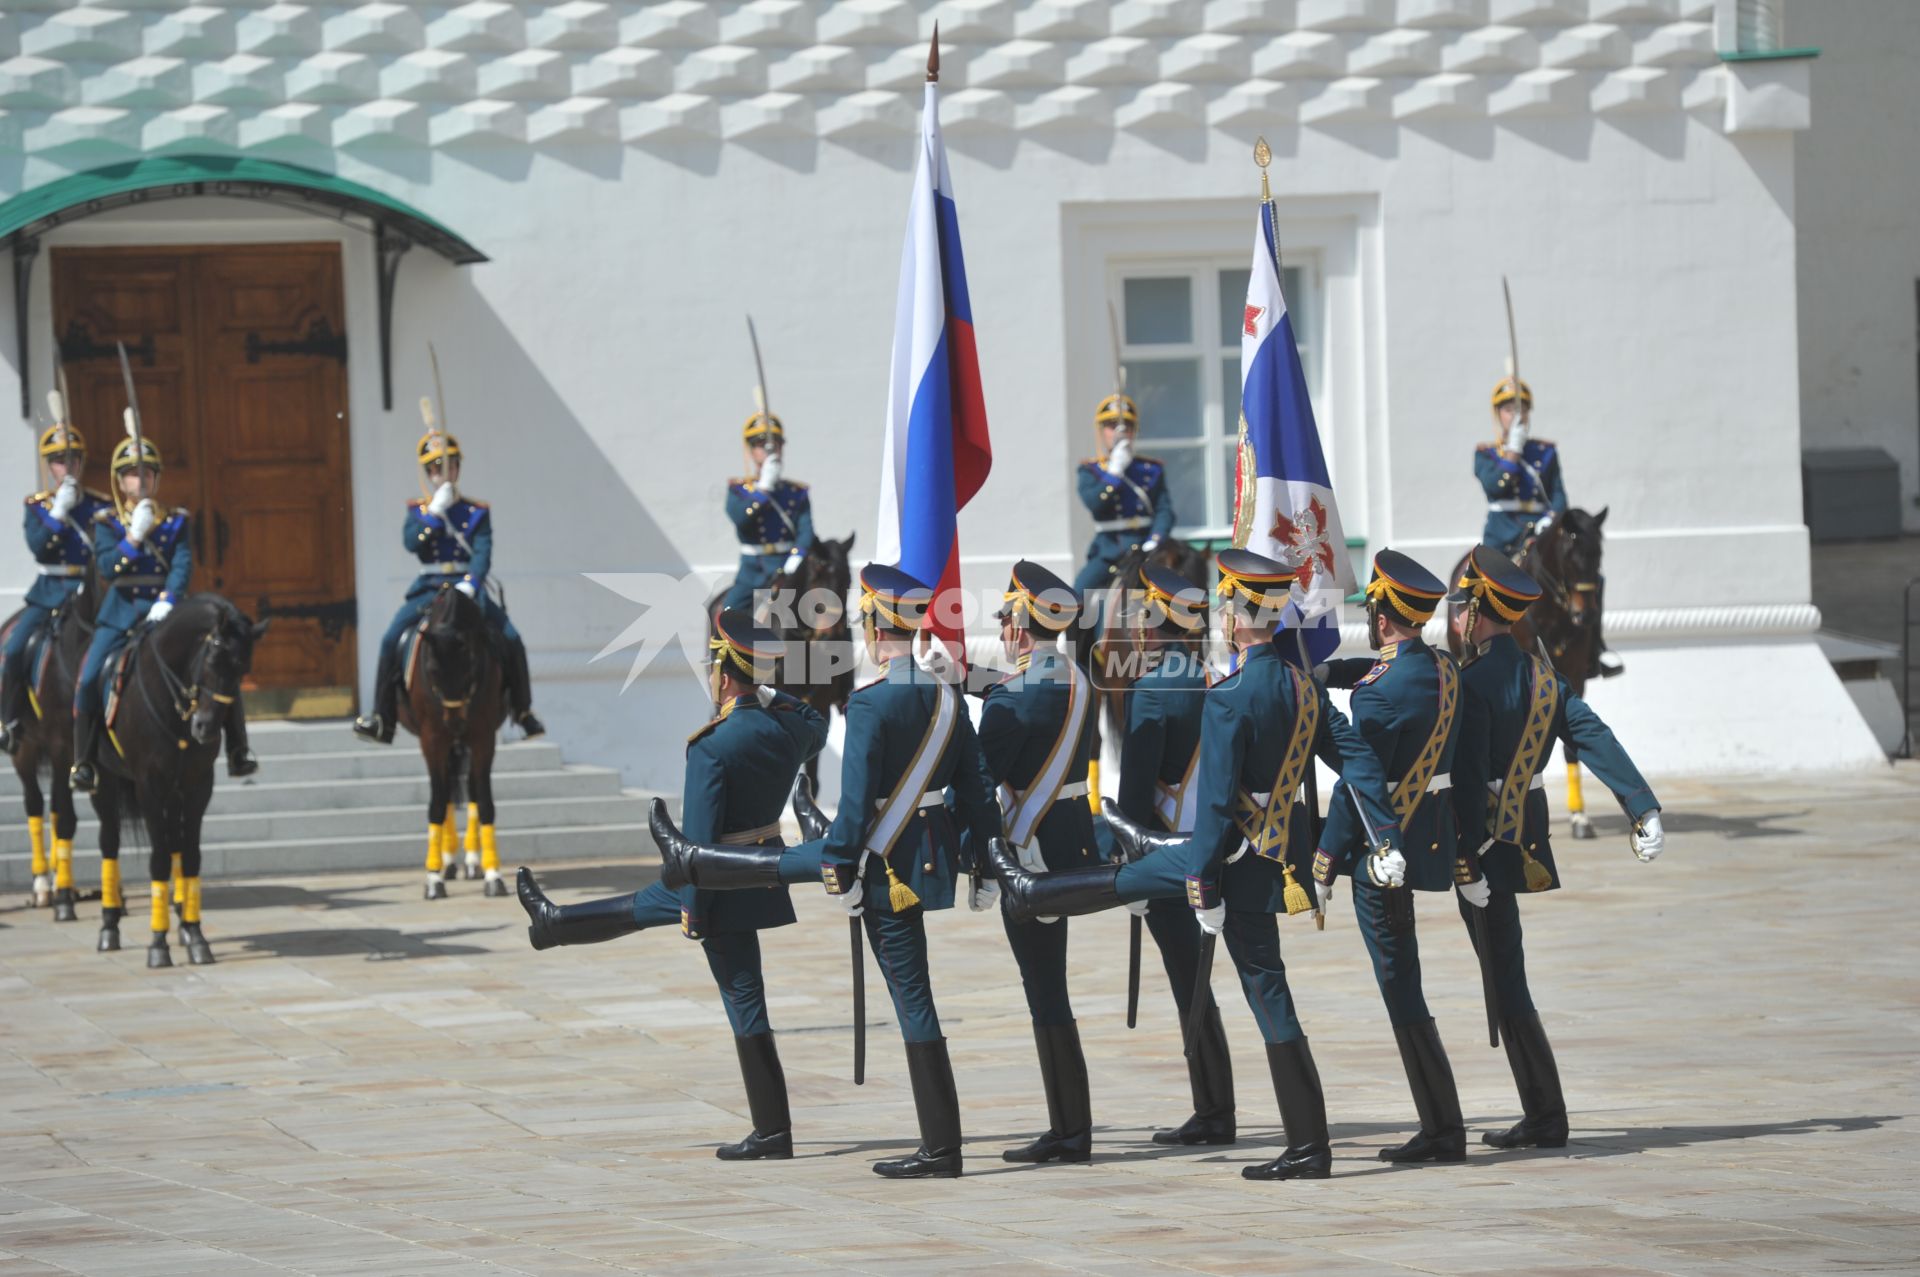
<point>68,199</point>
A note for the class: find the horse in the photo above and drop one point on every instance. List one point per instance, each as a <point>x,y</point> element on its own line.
<point>455,701</point>
<point>819,640</point>
<point>46,741</point>
<point>182,679</point>
<point>1564,624</point>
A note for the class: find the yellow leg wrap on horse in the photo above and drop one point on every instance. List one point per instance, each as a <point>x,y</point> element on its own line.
<point>62,863</point>
<point>433,849</point>
<point>1093,785</point>
<point>1576,802</point>
<point>159,915</point>
<point>179,880</point>
<point>489,848</point>
<point>37,837</point>
<point>190,911</point>
<point>110,885</point>
<point>450,838</point>
<point>473,826</point>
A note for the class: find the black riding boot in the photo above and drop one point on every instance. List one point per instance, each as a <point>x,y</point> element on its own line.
<point>86,742</point>
<point>1443,1132</point>
<point>1134,841</point>
<point>1538,1080</point>
<point>520,689</point>
<point>589,923</point>
<point>1026,895</point>
<point>379,725</point>
<point>1063,1074</point>
<point>772,1136</point>
<point>689,864</point>
<point>1303,1111</point>
<point>1210,1074</point>
<point>13,711</point>
<point>240,757</point>
<point>938,1105</point>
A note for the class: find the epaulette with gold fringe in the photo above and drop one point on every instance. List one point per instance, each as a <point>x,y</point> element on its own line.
<point>1379,668</point>
<point>38,498</point>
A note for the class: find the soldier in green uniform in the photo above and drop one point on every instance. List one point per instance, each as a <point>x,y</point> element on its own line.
<point>1261,727</point>
<point>1406,705</point>
<point>1036,733</point>
<point>1513,707</point>
<point>1159,759</point>
<point>740,768</point>
<point>911,769</point>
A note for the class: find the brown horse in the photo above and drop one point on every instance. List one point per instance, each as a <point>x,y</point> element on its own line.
<point>818,666</point>
<point>46,742</point>
<point>455,702</point>
<point>1565,623</point>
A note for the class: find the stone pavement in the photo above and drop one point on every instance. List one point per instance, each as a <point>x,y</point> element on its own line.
<point>370,1083</point>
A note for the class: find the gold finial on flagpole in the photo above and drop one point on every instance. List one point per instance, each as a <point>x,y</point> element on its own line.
<point>933,56</point>
<point>1263,156</point>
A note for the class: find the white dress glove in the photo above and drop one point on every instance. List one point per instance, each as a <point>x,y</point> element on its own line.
<point>769,473</point>
<point>983,897</point>
<point>1213,919</point>
<point>1120,458</point>
<point>159,611</point>
<point>65,497</point>
<point>793,563</point>
<point>465,587</point>
<point>1517,438</point>
<point>1648,840</point>
<point>1476,893</point>
<point>442,499</point>
<point>1387,869</point>
<point>142,521</point>
<point>1149,545</point>
<point>1322,893</point>
<point>850,899</point>
<point>1541,524</point>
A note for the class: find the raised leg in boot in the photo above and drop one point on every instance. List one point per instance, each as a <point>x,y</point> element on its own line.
<point>690,864</point>
<point>551,925</point>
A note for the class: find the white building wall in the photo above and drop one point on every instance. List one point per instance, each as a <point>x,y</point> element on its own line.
<point>597,370</point>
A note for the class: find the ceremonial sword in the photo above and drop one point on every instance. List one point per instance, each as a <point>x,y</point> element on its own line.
<point>813,825</point>
<point>760,403</point>
<point>1202,999</point>
<point>1134,926</point>
<point>427,415</point>
<point>132,418</point>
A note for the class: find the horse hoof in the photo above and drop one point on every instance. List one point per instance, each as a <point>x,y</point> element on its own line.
<point>437,889</point>
<point>109,940</point>
<point>450,872</point>
<point>470,871</point>
<point>42,895</point>
<point>1583,828</point>
<point>63,910</point>
<point>157,956</point>
<point>200,955</point>
<point>496,886</point>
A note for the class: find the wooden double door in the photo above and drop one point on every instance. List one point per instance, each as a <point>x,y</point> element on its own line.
<point>239,361</point>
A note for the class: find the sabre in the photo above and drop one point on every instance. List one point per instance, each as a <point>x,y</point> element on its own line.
<point>1513,349</point>
<point>1202,993</point>
<point>1113,333</point>
<point>813,825</point>
<point>760,406</point>
<point>432,423</point>
<point>1133,969</point>
<point>1489,992</point>
<point>1398,908</point>
<point>132,417</point>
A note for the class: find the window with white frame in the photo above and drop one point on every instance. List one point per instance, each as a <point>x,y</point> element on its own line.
<point>1180,326</point>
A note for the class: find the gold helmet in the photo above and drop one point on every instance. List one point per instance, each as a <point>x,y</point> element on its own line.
<point>763,427</point>
<point>1508,389</point>
<point>58,440</point>
<point>1116,410</point>
<point>124,460</point>
<point>438,445</point>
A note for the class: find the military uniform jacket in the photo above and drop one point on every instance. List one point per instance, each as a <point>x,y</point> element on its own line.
<point>138,576</point>
<point>1519,491</point>
<point>1494,707</point>
<point>1244,733</point>
<point>1160,749</point>
<point>1141,505</point>
<point>430,538</point>
<point>1022,721</point>
<point>1396,706</point>
<point>757,517</point>
<point>886,722</point>
<point>740,769</point>
<point>61,544</point>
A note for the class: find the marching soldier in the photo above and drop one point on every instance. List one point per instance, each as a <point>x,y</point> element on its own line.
<point>772,516</point>
<point>740,767</point>
<point>59,528</point>
<point>1036,733</point>
<point>892,853</point>
<point>1513,707</point>
<point>1127,495</point>
<point>452,536</point>
<point>1520,474</point>
<point>1406,706</point>
<point>1260,729</point>
<point>1159,757</point>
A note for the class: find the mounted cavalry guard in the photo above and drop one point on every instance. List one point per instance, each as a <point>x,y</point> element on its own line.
<point>1036,733</point>
<point>772,516</point>
<point>911,768</point>
<point>1521,474</point>
<point>1127,495</point>
<point>740,768</point>
<point>1159,761</point>
<point>1406,706</point>
<point>59,528</point>
<point>1513,707</point>
<point>1260,729</point>
<point>452,536</point>
<point>144,560</point>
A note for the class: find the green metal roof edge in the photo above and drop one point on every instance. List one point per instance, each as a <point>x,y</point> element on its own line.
<point>1766,55</point>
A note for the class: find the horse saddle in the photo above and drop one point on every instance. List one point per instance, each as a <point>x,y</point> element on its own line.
<point>38,654</point>
<point>118,672</point>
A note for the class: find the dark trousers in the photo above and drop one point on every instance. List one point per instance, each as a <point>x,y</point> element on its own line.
<point>1040,949</point>
<point>1396,956</point>
<point>1178,937</point>
<point>732,956</point>
<point>899,943</point>
<point>32,618</point>
<point>1502,921</point>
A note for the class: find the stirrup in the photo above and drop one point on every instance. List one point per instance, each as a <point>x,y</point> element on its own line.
<point>243,762</point>
<point>81,778</point>
<point>374,728</point>
<point>530,725</point>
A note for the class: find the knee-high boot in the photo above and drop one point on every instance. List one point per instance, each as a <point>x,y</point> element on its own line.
<point>86,743</point>
<point>689,864</point>
<point>1063,1075</point>
<point>240,757</point>
<point>550,925</point>
<point>766,1083</point>
<point>520,689</point>
<point>938,1105</point>
<point>1443,1132</point>
<point>1303,1111</point>
<point>1063,894</point>
<point>379,726</point>
<point>1538,1079</point>
<point>1210,1075</point>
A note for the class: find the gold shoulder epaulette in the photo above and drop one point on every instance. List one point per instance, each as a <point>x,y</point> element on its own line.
<point>705,728</point>
<point>475,502</point>
<point>181,510</point>
<point>795,483</point>
<point>38,497</point>
<point>102,516</point>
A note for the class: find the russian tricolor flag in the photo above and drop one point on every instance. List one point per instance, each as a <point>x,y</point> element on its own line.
<point>1295,519</point>
<point>936,453</point>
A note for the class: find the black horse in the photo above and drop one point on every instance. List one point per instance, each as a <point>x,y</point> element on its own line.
<point>163,741</point>
<point>818,665</point>
<point>46,744</point>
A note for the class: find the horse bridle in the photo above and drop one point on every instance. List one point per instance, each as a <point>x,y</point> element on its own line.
<point>450,707</point>
<point>187,697</point>
<point>1548,576</point>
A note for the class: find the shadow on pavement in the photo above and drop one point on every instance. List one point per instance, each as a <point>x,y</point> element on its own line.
<point>1695,822</point>
<point>279,895</point>
<point>591,880</point>
<point>376,944</point>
